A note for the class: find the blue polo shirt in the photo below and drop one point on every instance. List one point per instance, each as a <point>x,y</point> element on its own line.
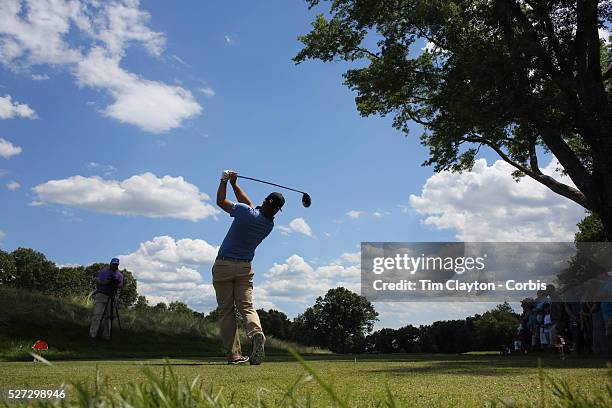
<point>248,229</point>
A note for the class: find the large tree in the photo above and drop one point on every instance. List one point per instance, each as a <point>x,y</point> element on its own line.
<point>33,271</point>
<point>275,323</point>
<point>496,327</point>
<point>338,321</point>
<point>520,77</point>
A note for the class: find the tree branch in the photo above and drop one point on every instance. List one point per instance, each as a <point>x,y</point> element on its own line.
<point>366,51</point>
<point>533,157</point>
<point>562,189</point>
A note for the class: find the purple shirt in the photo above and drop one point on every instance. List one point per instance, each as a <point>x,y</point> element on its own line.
<point>106,274</point>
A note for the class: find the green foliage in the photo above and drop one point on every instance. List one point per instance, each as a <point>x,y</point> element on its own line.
<point>26,316</point>
<point>68,281</point>
<point>213,316</point>
<point>275,323</point>
<point>179,308</point>
<point>383,341</point>
<point>33,270</point>
<point>480,332</point>
<point>141,304</point>
<point>585,265</point>
<point>407,338</point>
<point>453,336</point>
<point>496,327</point>
<point>520,78</point>
<point>29,269</point>
<point>590,229</point>
<point>7,268</point>
<point>338,321</point>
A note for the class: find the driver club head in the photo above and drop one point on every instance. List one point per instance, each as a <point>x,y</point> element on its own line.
<point>306,200</point>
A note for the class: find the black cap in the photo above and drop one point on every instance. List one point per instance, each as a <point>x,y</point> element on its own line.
<point>276,200</point>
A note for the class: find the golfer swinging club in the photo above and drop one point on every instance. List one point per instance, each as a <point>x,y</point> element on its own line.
<point>232,273</point>
<point>108,281</point>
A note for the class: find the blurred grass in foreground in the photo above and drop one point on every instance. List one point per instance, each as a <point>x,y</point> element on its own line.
<point>167,389</point>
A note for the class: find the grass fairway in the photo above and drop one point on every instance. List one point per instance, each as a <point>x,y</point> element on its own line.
<point>415,380</point>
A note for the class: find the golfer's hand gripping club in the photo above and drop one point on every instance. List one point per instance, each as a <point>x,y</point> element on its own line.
<point>229,175</point>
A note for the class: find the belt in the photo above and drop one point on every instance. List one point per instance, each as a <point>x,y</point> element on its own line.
<point>225,258</point>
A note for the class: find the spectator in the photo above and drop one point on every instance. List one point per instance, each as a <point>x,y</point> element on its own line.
<point>606,311</point>
<point>600,346</point>
<point>534,328</point>
<point>545,328</point>
<point>572,309</point>
<point>556,313</point>
<point>586,326</point>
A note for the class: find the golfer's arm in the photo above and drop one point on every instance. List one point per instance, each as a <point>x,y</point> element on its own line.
<point>241,196</point>
<point>222,200</point>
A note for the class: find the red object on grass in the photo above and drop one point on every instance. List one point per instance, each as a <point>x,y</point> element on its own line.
<point>40,345</point>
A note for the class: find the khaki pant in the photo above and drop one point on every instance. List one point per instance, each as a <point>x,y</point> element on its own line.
<point>100,303</point>
<point>233,282</point>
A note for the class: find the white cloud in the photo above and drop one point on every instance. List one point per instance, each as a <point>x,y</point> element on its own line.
<point>36,34</point>
<point>486,204</point>
<point>123,22</point>
<point>298,225</point>
<point>144,194</point>
<point>33,33</point>
<point>13,185</point>
<point>354,214</point>
<point>7,149</point>
<point>352,257</point>
<point>40,77</point>
<point>167,269</point>
<point>10,109</point>
<point>230,39</point>
<point>296,280</point>
<point>429,46</point>
<point>604,34</point>
<point>106,169</point>
<point>2,234</point>
<point>208,91</point>
<point>153,106</point>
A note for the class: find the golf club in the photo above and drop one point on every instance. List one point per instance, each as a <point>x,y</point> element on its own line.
<point>305,197</point>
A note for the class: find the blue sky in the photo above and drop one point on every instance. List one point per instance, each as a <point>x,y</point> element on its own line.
<point>117,119</point>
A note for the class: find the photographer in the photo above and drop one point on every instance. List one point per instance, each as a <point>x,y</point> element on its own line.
<point>108,281</point>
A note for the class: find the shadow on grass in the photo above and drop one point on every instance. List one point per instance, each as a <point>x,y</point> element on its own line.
<point>489,366</point>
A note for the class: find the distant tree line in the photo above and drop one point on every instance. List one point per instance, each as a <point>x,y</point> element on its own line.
<point>489,331</point>
<point>28,269</point>
<point>341,321</point>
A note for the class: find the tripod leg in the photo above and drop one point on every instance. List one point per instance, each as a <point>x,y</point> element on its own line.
<point>117,314</point>
<point>100,324</point>
<point>112,302</point>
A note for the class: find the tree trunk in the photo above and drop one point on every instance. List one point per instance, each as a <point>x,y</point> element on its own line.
<point>605,181</point>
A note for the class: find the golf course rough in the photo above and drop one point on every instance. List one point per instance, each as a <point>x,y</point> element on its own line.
<point>362,380</point>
